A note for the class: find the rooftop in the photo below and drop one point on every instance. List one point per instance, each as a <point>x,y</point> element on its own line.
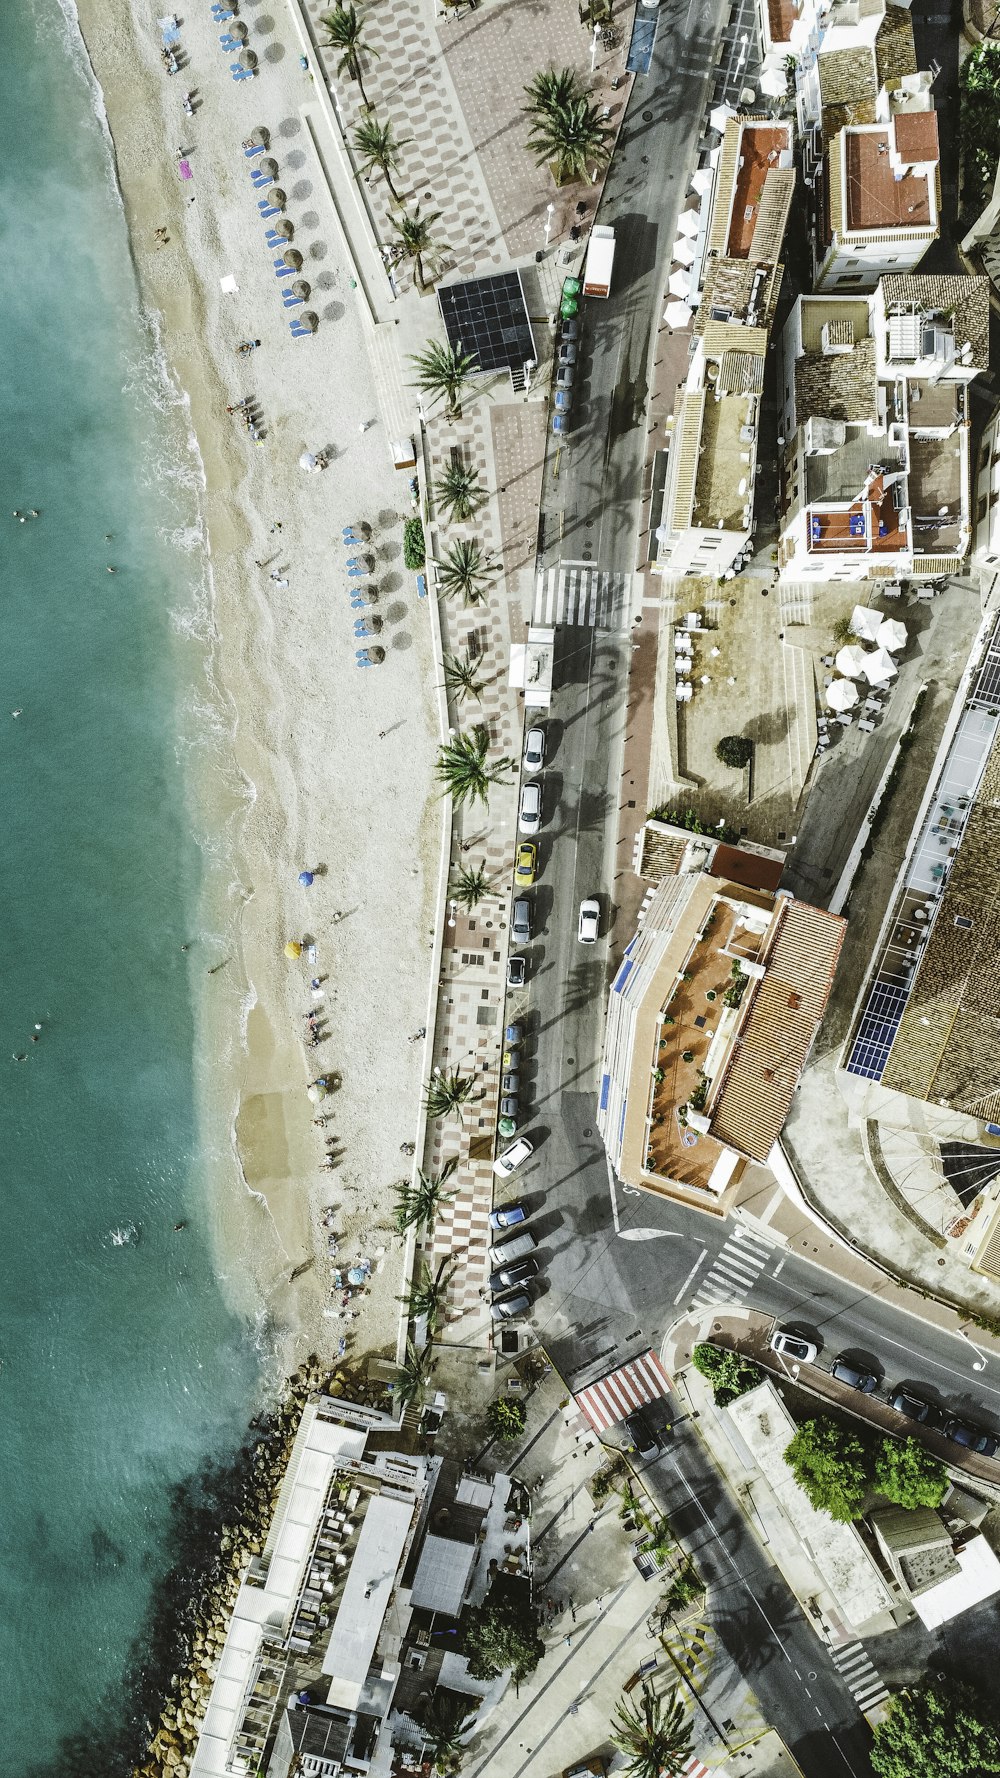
<point>725,468</point>
<point>761,147</point>
<point>848,88</point>
<point>739,292</point>
<point>488,318</point>
<point>876,198</point>
<point>895,54</point>
<point>964,300</point>
<point>837,385</point>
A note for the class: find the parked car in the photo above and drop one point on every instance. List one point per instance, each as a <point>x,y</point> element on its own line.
<point>564,377</point>
<point>590,921</point>
<point>520,920</point>
<point>912,1406</point>
<point>563,400</point>
<point>517,972</point>
<point>504,1253</point>
<point>509,1306</point>
<point>529,817</point>
<point>644,1440</point>
<point>793,1346</point>
<point>534,750</point>
<point>511,1082</point>
<point>560,424</point>
<point>509,1112</point>
<point>506,1277</point>
<point>513,1157</point>
<point>508,1216</point>
<point>571,329</point>
<point>526,866</point>
<point>848,1373</point>
<point>971,1438</point>
<point>512,1035</point>
<point>567,351</point>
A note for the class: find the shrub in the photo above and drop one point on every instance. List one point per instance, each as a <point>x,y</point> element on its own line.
<point>414,553</point>
<point>685,1586</point>
<point>506,1419</point>
<point>979,113</point>
<point>729,1373</point>
<point>735,751</point>
<point>908,1475</point>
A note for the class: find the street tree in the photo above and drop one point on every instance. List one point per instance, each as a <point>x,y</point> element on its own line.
<point>461,676</point>
<point>833,1466</point>
<point>502,1633</point>
<point>571,139</point>
<point>378,151</point>
<point>462,572</point>
<point>443,372</point>
<point>940,1728</point>
<point>416,240</point>
<point>443,1721</point>
<point>460,492</point>
<point>464,768</point>
<point>909,1475</point>
<point>428,1292</point>
<point>730,1373</point>
<point>654,1734</point>
<point>549,90</point>
<point>506,1419</point>
<point>410,1382</point>
<point>735,751</point>
<point>417,1204</point>
<point>470,887</point>
<point>345,31</point>
<point>445,1094</point>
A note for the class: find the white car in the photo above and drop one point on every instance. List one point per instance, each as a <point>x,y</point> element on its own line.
<point>793,1346</point>
<point>534,750</point>
<point>513,1157</point>
<point>529,818</point>
<point>590,921</point>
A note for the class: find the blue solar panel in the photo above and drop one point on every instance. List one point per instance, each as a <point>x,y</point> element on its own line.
<point>877,1030</point>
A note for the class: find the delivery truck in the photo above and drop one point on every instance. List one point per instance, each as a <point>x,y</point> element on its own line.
<point>600,259</point>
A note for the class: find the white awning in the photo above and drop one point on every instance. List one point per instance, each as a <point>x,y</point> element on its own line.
<point>851,662</point>
<point>842,694</point>
<point>865,622</point>
<point>880,667</point>
<point>677,314</point>
<point>685,252</point>
<point>688,223</point>
<point>679,284</point>
<point>892,635</point>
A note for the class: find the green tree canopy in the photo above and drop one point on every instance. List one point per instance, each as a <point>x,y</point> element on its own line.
<point>729,1373</point>
<point>909,1475</point>
<point>654,1734</point>
<point>834,1467</point>
<point>502,1633</point>
<point>506,1419</point>
<point>938,1729</point>
<point>734,750</point>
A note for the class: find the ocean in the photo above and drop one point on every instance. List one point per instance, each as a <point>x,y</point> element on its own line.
<point>125,1363</point>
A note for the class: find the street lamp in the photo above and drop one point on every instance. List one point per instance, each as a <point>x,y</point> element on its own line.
<point>549,210</point>
<point>595,40</point>
<point>979,1362</point>
<point>453,905</point>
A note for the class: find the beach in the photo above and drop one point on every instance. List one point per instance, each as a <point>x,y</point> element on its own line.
<point>336,761</point>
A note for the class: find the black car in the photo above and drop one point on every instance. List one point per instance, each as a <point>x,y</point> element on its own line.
<point>516,972</point>
<point>910,1405</point>
<point>510,1107</point>
<point>509,1307</point>
<point>846,1372</point>
<point>507,1276</point>
<point>971,1438</point>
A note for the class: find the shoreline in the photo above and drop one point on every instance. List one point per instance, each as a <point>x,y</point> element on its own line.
<point>265,661</point>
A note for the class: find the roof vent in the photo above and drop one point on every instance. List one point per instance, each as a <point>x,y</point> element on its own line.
<point>964,922</point>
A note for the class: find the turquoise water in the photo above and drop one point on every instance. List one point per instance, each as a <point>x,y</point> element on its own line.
<point>122,1367</point>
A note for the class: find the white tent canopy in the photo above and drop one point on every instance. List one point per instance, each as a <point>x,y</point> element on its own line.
<point>719,117</point>
<point>677,314</point>
<point>851,662</point>
<point>679,284</point>
<point>841,695</point>
<point>774,83</point>
<point>684,252</point>
<point>879,667</point>
<point>701,180</point>
<point>687,223</point>
<point>865,622</point>
<point>308,461</point>
<point>891,635</point>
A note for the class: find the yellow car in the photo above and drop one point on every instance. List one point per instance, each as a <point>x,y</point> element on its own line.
<point>527,864</point>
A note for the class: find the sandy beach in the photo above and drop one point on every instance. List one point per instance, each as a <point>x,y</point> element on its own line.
<point>337,761</point>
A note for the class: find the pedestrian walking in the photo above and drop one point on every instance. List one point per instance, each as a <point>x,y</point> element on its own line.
<point>365,425</point>
<point>568,1641</point>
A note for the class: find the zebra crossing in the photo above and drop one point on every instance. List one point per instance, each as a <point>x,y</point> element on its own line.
<point>575,593</point>
<point>735,1270</point>
<point>862,1678</point>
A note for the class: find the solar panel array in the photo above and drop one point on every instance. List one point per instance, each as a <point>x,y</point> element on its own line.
<point>488,319</point>
<point>877,1030</point>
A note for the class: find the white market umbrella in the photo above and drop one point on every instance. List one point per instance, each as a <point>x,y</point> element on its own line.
<point>677,314</point>
<point>891,635</point>
<point>679,284</point>
<point>851,662</point>
<point>865,622</point>
<point>308,461</point>
<point>701,181</point>
<point>774,82</point>
<point>880,667</point>
<point>719,117</point>
<point>688,223</point>
<point>685,252</point>
<point>841,695</point>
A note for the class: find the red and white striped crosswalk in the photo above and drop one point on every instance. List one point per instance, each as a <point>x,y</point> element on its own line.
<point>631,1386</point>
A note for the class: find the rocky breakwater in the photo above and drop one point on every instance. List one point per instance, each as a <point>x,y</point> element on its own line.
<point>202,1588</point>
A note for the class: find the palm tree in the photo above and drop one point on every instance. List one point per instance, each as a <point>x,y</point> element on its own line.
<point>462,677</point>
<point>417,1205</point>
<point>443,371</point>
<point>446,1094</point>
<point>470,887</point>
<point>411,1377</point>
<point>460,491</point>
<point>417,241</point>
<point>549,90</point>
<point>442,1721</point>
<point>570,137</point>
<point>462,767</point>
<point>379,151</point>
<point>426,1295</point>
<point>344,29</point>
<point>462,570</point>
<point>654,1735</point>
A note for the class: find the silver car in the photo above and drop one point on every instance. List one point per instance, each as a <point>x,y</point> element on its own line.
<point>529,818</point>
<point>534,750</point>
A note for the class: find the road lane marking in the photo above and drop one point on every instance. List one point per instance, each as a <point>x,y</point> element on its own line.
<point>703,1255</point>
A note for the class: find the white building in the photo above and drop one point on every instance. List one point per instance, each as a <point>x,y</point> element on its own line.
<point>875,428</point>
<point>877,199</point>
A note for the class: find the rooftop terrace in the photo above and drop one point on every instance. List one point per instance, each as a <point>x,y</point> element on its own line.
<point>725,467</point>
<point>876,199</point>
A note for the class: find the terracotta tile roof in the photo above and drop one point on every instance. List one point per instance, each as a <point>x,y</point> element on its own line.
<point>917,136</point>
<point>750,1108</point>
<point>876,199</point>
<point>967,300</point>
<point>838,386</point>
<point>895,54</point>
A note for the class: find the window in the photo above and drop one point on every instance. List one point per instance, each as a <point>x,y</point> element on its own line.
<point>981,509</point>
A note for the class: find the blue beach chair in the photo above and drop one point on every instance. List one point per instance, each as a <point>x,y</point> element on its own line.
<point>363,627</point>
<point>257,178</point>
<point>275,241</point>
<point>292,302</point>
<point>355,572</point>
<point>363,658</point>
<point>230,42</point>
<point>355,562</point>
<point>299,332</point>
<point>282,270</point>
<point>250,153</point>
<point>267,210</point>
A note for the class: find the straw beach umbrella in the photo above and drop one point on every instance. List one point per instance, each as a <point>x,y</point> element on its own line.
<point>237,28</point>
<point>260,137</point>
<point>309,319</point>
<point>293,257</point>
<point>284,229</point>
<point>247,58</point>
<point>276,197</point>
<point>300,289</point>
<point>269,167</point>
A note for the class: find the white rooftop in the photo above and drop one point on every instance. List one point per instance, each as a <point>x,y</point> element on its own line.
<point>979,1579</point>
<point>443,1574</point>
<point>370,1580</point>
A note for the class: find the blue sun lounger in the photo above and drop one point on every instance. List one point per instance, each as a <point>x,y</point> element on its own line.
<point>239,73</point>
<point>292,302</point>
<point>273,239</point>
<point>230,42</point>
<point>355,562</point>
<point>298,331</point>
<point>249,153</point>
<point>257,178</point>
<point>267,210</point>
<point>281,270</point>
<point>357,573</point>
